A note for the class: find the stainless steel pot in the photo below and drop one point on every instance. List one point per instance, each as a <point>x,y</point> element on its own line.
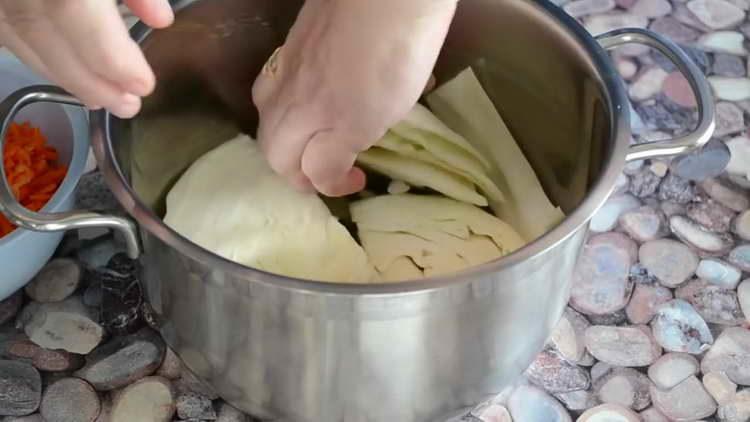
<point>417,351</point>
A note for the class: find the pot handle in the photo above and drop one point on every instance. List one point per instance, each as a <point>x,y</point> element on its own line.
<point>705,129</point>
<point>52,222</point>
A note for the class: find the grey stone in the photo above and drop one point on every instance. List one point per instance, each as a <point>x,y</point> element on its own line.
<point>227,413</point>
<point>530,404</point>
<point>195,406</point>
<point>711,215</point>
<point>687,401</point>
<point>613,318</point>
<point>740,257</point>
<point>644,183</point>
<point>70,400</point>
<point>644,223</point>
<point>709,161</point>
<point>622,346</point>
<point>673,368</point>
<point>674,29</point>
<point>10,306</point>
<point>20,388</point>
<point>731,355</point>
<point>729,120</point>
<point>56,281</point>
<point>578,401</point>
<point>726,194</point>
<point>741,225</point>
<point>728,65</point>
<point>675,188</point>
<point>66,325</point>
<point>123,360</point>
<point>644,302</point>
<point>607,217</point>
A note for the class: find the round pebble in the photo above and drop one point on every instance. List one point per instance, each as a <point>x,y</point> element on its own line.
<point>729,119</point>
<point>600,283</point>
<point>740,256</point>
<point>644,182</point>
<point>66,325</point>
<point>716,14</point>
<point>678,89</point>
<point>715,304</point>
<point>688,401</point>
<point>609,413</point>
<point>606,218</point>
<point>730,89</point>
<point>730,42</point>
<point>580,8</point>
<point>737,409</point>
<point>730,354</point>
<point>677,327</point>
<point>727,195</point>
<point>123,360</point>
<point>671,369</point>
<point>668,260</point>
<point>20,388</point>
<point>644,302</point>
<point>567,337</point>
<point>706,242</point>
<point>718,272</point>
<point>70,400</point>
<point>530,404</point>
<point>624,386</point>
<point>644,224</point>
<point>622,346</point>
<point>728,65</point>
<point>56,281</point>
<point>647,84</point>
<point>651,8</point>
<point>739,162</point>
<point>711,215</point>
<point>719,386</point>
<point>653,414</point>
<point>674,30</point>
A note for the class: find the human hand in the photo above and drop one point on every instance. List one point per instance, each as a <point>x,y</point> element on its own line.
<point>348,71</point>
<point>84,46</point>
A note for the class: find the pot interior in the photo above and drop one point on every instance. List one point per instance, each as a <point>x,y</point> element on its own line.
<point>540,75</point>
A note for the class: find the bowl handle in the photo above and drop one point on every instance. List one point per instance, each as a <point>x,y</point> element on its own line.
<point>52,222</point>
<point>705,129</point>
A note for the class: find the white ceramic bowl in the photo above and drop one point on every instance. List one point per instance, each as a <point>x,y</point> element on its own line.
<point>23,253</point>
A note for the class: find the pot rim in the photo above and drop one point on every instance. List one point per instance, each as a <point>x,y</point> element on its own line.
<point>619,124</point>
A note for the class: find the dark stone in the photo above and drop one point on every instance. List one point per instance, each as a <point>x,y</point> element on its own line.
<point>705,163</point>
<point>20,388</point>
<point>663,114</point>
<point>615,318</point>
<point>123,360</point>
<point>94,195</point>
<point>728,65</point>
<point>10,306</point>
<point>676,189</point>
<point>644,183</point>
<point>640,275</point>
<point>121,295</point>
<point>195,406</point>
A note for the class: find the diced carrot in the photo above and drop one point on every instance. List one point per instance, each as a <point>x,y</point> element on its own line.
<point>31,169</point>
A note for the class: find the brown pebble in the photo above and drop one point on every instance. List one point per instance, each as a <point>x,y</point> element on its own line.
<point>70,400</point>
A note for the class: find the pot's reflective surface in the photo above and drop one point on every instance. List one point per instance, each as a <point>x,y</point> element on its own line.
<point>310,352</point>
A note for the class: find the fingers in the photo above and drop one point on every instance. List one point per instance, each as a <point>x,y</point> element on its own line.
<point>58,55</point>
<point>154,13</point>
<point>114,57</point>
<point>328,163</point>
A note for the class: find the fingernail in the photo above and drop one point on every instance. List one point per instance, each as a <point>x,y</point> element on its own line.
<point>127,107</point>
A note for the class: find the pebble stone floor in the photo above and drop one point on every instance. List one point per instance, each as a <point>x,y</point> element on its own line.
<point>656,329</point>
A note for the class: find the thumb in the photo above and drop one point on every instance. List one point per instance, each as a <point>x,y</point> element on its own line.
<point>328,162</point>
<point>154,13</point>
